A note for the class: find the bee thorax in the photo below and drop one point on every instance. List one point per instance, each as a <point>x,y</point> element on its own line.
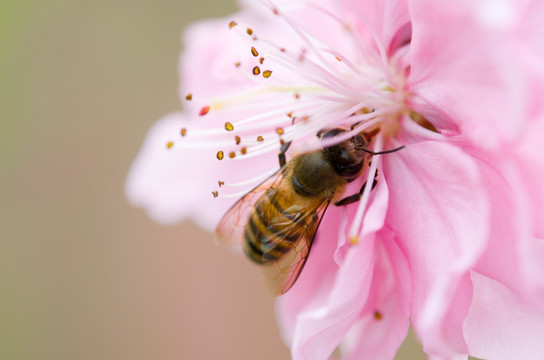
<point>314,176</point>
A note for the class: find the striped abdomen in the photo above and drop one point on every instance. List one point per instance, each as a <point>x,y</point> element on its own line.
<point>274,227</point>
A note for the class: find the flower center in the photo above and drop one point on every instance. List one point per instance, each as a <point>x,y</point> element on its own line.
<point>295,91</point>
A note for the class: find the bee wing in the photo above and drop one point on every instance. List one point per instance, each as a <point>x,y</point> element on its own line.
<point>230,230</point>
<point>282,274</point>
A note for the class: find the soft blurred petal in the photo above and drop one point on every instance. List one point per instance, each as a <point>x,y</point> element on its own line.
<point>499,325</point>
<point>319,332</point>
<point>513,255</point>
<point>469,67</point>
<point>174,184</point>
<point>439,210</point>
<point>207,66</point>
<point>157,183</point>
<point>384,322</point>
<point>529,166</point>
<point>383,19</point>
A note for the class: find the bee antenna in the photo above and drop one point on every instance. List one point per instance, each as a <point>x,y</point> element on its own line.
<point>380,152</point>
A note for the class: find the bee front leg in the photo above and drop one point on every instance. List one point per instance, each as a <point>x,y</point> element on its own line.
<point>281,155</point>
<point>355,197</point>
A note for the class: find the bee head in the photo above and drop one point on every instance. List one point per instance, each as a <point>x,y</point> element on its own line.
<point>346,157</point>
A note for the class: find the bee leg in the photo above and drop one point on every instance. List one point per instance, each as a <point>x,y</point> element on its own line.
<point>355,197</point>
<point>281,155</point>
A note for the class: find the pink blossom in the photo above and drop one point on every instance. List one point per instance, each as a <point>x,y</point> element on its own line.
<point>451,239</point>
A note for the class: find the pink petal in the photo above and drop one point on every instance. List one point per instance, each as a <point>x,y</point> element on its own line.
<point>438,208</point>
<point>527,244</point>
<point>385,319</point>
<point>471,68</point>
<point>499,325</point>
<point>176,184</point>
<point>319,331</point>
<point>513,256</point>
<point>207,65</point>
<point>529,166</point>
<point>387,20</point>
<point>374,217</point>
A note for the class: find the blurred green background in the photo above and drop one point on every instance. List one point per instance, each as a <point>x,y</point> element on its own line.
<point>83,275</point>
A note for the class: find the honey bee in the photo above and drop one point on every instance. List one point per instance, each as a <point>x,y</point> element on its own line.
<point>276,222</point>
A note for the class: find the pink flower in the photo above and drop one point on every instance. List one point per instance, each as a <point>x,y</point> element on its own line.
<point>451,239</point>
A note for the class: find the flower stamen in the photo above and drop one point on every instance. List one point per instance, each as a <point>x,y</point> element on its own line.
<point>355,230</point>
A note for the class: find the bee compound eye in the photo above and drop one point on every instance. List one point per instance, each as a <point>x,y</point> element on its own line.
<point>330,132</point>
